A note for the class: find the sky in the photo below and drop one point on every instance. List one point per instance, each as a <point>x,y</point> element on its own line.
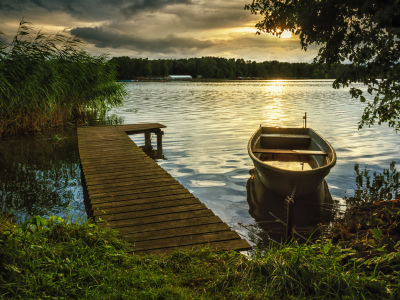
<point>166,29</point>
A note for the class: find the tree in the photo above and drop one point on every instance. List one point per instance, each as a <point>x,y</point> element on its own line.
<point>364,32</point>
<point>207,67</point>
<point>124,67</point>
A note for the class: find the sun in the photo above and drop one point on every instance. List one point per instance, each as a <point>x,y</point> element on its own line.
<point>286,34</point>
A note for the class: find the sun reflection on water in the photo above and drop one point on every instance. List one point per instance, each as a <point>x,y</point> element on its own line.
<point>275,111</point>
<point>280,109</point>
<point>275,88</point>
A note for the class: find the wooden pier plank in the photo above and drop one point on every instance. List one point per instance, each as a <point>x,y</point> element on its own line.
<point>150,221</point>
<point>186,240</point>
<point>152,212</point>
<point>177,232</point>
<point>145,206</point>
<point>128,191</point>
<point>112,198</point>
<point>182,224</point>
<point>237,244</point>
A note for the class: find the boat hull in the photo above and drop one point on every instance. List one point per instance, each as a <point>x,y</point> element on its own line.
<point>284,181</point>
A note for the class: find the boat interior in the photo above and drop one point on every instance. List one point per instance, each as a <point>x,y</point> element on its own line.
<point>289,148</point>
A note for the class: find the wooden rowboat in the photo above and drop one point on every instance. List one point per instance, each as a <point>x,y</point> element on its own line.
<point>288,158</point>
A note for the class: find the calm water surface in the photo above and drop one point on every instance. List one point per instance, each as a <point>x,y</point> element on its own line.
<point>209,125</point>
<point>205,142</point>
<point>40,175</point>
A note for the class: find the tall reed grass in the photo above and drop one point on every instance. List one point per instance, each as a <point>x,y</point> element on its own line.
<point>49,80</point>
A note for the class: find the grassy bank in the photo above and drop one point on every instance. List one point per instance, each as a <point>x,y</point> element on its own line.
<point>43,259</point>
<point>49,80</point>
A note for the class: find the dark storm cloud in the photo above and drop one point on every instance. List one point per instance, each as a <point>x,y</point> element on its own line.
<point>169,44</point>
<point>138,5</point>
<point>93,9</point>
<point>9,5</point>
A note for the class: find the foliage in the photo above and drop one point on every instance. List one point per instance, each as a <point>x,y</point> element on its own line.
<point>214,67</point>
<point>48,80</point>
<point>382,186</point>
<point>366,33</point>
<point>54,258</point>
<point>370,229</point>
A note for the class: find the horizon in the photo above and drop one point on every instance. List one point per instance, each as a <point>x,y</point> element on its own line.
<point>156,29</point>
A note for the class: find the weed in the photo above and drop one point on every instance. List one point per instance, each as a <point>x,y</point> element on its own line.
<point>382,186</point>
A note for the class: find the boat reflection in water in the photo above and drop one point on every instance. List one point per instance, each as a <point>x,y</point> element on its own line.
<point>270,210</point>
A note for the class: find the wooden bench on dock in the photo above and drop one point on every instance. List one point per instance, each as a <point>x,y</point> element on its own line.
<point>133,194</point>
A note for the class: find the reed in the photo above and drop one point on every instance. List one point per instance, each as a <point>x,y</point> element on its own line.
<point>49,80</point>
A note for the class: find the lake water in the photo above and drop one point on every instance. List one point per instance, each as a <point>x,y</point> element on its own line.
<point>209,125</point>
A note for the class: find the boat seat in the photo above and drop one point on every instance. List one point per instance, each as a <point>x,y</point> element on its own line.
<point>285,135</point>
<point>285,141</point>
<point>286,151</point>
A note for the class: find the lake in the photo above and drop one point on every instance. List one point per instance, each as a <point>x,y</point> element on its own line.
<point>208,128</point>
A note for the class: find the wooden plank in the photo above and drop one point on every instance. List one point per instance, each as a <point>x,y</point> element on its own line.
<point>148,190</point>
<point>96,174</point>
<point>116,176</point>
<point>129,179</point>
<point>285,151</point>
<point>111,149</point>
<point>107,157</point>
<point>158,219</point>
<point>90,159</point>
<point>185,240</point>
<point>151,212</point>
<point>116,168</point>
<point>176,232</point>
<point>182,224</point>
<point>236,245</point>
<point>92,166</point>
<point>145,206</point>
<point>131,197</point>
<point>285,135</point>
<point>122,185</point>
<point>128,202</point>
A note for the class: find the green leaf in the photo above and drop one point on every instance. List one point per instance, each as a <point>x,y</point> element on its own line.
<point>376,233</point>
<point>56,219</point>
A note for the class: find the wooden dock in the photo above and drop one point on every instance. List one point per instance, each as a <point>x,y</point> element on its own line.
<point>129,190</point>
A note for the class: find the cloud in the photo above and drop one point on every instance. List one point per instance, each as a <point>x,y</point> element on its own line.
<point>150,5</point>
<point>108,39</point>
<point>93,9</point>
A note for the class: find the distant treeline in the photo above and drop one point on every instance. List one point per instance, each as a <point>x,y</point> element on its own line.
<point>217,67</point>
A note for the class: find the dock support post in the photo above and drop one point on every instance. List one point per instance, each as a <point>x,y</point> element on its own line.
<point>147,141</point>
<point>159,143</point>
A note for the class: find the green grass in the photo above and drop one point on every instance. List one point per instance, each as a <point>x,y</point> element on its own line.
<point>56,259</point>
<point>49,80</point>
